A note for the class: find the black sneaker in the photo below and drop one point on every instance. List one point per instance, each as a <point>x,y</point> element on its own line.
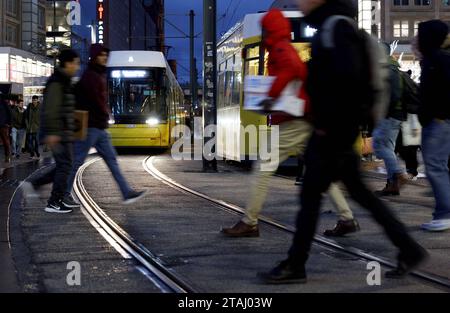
<point>57,207</point>
<point>134,196</point>
<point>285,273</point>
<point>70,203</point>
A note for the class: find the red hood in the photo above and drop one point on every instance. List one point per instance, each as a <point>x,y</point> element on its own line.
<point>277,27</point>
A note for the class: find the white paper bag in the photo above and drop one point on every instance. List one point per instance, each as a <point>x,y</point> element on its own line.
<point>256,89</point>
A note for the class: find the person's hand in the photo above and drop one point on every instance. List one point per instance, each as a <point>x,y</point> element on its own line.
<point>267,104</point>
<point>52,141</point>
<point>415,133</point>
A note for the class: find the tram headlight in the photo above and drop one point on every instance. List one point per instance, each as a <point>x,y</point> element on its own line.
<point>111,122</point>
<point>152,121</point>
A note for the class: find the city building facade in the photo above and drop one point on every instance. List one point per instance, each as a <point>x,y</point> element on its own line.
<point>130,24</point>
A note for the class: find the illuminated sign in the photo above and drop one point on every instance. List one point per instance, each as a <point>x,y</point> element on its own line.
<point>101,21</point>
<point>129,74</point>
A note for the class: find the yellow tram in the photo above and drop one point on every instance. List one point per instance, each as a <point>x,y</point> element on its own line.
<point>145,98</point>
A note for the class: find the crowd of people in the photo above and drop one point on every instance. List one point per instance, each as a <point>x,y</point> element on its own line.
<point>19,128</point>
<point>352,84</point>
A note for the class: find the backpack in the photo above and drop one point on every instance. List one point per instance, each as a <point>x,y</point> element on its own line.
<point>410,96</point>
<point>375,88</point>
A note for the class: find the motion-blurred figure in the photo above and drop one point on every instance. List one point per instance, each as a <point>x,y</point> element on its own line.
<point>58,132</point>
<point>92,96</point>
<point>286,65</point>
<point>434,46</point>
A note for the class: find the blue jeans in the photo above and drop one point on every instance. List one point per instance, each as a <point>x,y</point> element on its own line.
<point>17,140</point>
<point>384,141</point>
<point>436,152</point>
<point>100,140</point>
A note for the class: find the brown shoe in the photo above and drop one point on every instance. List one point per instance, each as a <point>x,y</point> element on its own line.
<point>342,228</point>
<point>402,179</point>
<point>241,230</point>
<point>391,189</point>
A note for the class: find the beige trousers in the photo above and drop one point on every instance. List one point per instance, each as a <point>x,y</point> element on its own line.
<point>294,137</point>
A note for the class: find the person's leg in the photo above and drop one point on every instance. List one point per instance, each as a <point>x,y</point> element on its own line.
<point>30,144</point>
<point>63,155</point>
<point>36,145</point>
<point>81,151</point>
<point>395,230</point>
<point>20,141</point>
<point>106,150</point>
<point>384,140</point>
<point>293,137</point>
<point>436,151</point>
<point>340,203</point>
<point>14,137</point>
<point>5,139</point>
<point>318,177</point>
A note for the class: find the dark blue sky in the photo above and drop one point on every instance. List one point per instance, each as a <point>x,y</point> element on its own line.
<point>177,13</point>
<point>235,10</point>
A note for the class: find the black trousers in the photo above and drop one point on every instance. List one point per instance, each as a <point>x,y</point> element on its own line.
<point>408,154</point>
<point>33,143</point>
<point>59,174</point>
<point>327,161</point>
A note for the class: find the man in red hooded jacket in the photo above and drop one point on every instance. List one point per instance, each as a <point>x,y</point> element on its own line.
<point>286,65</point>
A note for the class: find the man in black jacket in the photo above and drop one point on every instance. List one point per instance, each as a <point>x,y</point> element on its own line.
<point>57,129</point>
<point>435,116</point>
<point>5,123</point>
<point>92,96</point>
<point>336,78</point>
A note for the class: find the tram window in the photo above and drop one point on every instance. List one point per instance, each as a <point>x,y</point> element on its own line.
<point>252,67</point>
<point>236,90</point>
<point>252,53</point>
<point>133,97</point>
<point>221,87</point>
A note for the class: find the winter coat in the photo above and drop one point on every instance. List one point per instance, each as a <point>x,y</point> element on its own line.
<point>58,107</point>
<point>336,75</point>
<point>284,61</point>
<point>33,119</point>
<point>435,79</point>
<point>17,118</point>
<point>92,92</point>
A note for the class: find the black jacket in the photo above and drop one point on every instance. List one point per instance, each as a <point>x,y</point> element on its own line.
<point>336,74</point>
<point>17,118</point>
<point>435,79</point>
<point>57,115</point>
<point>5,114</point>
<point>92,92</point>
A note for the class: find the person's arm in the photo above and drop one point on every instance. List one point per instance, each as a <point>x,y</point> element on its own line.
<point>289,66</point>
<point>51,110</point>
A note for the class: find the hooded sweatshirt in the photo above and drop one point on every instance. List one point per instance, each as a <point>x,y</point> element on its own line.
<point>435,79</point>
<point>91,91</point>
<point>336,75</point>
<point>284,61</point>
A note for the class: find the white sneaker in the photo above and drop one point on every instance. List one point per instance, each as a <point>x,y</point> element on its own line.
<point>437,225</point>
<point>421,175</point>
<point>29,191</point>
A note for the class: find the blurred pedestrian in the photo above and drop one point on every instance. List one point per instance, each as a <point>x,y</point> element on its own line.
<point>337,86</point>
<point>18,129</point>
<point>33,124</point>
<point>387,131</point>
<point>286,65</point>
<point>92,96</point>
<point>58,131</point>
<point>5,123</point>
<point>434,46</point>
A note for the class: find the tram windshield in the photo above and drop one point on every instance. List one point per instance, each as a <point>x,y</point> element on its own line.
<point>136,95</point>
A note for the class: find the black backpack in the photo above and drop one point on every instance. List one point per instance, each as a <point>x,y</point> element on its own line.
<point>376,90</point>
<point>411,95</point>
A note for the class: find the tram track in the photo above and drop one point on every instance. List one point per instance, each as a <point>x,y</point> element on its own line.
<point>163,277</point>
<point>426,277</point>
